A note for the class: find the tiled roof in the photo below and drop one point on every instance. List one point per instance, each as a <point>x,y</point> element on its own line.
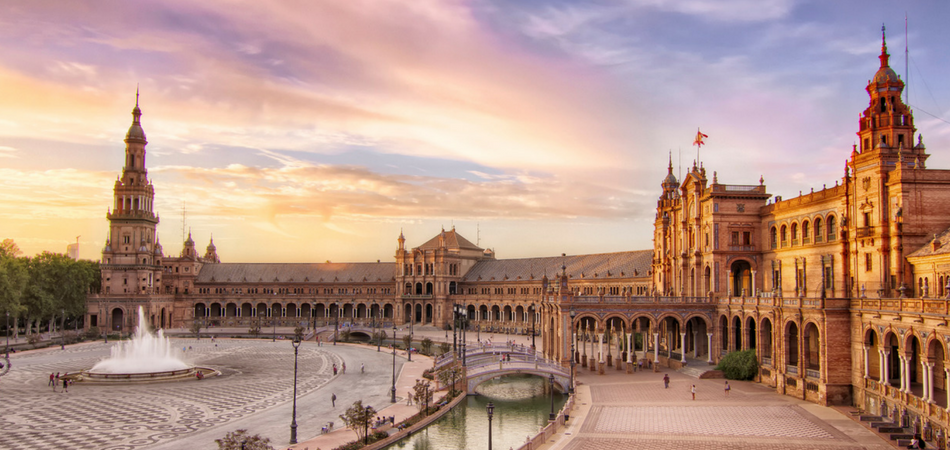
<point>297,272</point>
<point>603,266</point>
<point>943,241</point>
<point>452,240</point>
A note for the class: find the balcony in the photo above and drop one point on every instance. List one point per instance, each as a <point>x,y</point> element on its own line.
<point>863,232</point>
<point>742,248</point>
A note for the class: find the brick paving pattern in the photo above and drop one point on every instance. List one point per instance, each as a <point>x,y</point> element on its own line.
<point>765,421</point>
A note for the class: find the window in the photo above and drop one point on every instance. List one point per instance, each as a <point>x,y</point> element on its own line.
<point>818,230</point>
<point>868,264</point>
<point>126,239</point>
<point>746,238</point>
<point>784,235</point>
<point>735,238</point>
<point>831,228</point>
<point>773,240</point>
<point>829,278</point>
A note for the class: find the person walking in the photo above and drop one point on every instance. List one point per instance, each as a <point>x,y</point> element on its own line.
<point>334,369</point>
<point>666,381</point>
<point>51,375</point>
<point>727,389</point>
<point>65,385</point>
<point>344,369</point>
<point>692,390</point>
<point>333,400</point>
<point>409,398</point>
<point>362,368</point>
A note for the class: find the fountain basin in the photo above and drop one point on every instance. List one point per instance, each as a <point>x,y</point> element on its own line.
<point>190,373</point>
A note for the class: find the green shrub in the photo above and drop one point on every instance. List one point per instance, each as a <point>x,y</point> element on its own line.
<point>739,365</point>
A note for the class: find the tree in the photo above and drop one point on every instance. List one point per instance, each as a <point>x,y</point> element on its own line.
<point>196,328</point>
<point>57,284</point>
<point>379,336</point>
<point>445,347</point>
<point>358,418</point>
<point>9,248</point>
<point>298,332</point>
<point>345,335</point>
<point>448,375</point>
<point>14,277</point>
<point>422,395</point>
<point>239,440</point>
<point>407,341</point>
<point>426,345</point>
<point>739,365</point>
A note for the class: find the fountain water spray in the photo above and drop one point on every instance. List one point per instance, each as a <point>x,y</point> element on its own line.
<point>145,353</point>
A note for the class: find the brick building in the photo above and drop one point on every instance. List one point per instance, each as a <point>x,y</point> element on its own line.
<point>840,291</point>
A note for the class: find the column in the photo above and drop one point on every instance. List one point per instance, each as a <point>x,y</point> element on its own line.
<point>696,344</point>
<point>867,353</point>
<point>929,382</point>
<point>709,348</point>
<point>656,348</point>
<point>629,348</point>
<point>946,371</point>
<point>729,280</point>
<point>907,379</point>
<point>752,294</point>
<point>683,347</point>
<point>600,348</point>
<point>903,380</point>
<point>884,368</point>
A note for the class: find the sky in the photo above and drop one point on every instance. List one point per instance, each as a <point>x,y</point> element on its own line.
<point>311,131</point>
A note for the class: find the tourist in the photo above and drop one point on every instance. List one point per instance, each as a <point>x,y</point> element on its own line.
<point>51,375</point>
<point>65,384</point>
<point>334,369</point>
<point>727,389</point>
<point>409,398</point>
<point>362,368</point>
<point>692,390</point>
<point>666,381</point>
<point>333,397</point>
<point>344,368</point>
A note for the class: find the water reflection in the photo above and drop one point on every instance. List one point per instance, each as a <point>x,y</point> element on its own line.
<point>521,410</point>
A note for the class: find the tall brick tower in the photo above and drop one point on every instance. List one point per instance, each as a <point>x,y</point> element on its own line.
<point>131,259</point>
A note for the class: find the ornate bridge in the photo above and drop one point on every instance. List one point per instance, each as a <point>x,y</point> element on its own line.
<point>485,362</point>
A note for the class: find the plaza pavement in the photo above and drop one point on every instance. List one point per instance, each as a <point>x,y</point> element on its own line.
<point>622,411</point>
<point>613,411</point>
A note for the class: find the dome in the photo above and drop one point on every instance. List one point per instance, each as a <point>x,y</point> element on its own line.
<point>670,179</point>
<point>886,75</point>
<point>158,249</point>
<point>135,131</point>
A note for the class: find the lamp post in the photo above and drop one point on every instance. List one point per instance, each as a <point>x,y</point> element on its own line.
<point>293,421</point>
<point>532,326</point>
<point>455,328</point>
<point>570,386</point>
<point>336,322</point>
<point>464,332</point>
<point>62,332</point>
<point>366,425</point>
<point>393,399</point>
<point>8,334</point>
<point>552,417</point>
<point>313,314</point>
<point>377,324</point>
<point>411,320</point>
<point>491,409</point>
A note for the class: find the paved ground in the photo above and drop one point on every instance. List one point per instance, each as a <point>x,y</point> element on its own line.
<point>620,411</point>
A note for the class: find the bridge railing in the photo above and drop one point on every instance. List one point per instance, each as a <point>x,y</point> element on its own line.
<point>474,351</point>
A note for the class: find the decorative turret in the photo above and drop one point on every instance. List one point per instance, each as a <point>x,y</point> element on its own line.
<point>211,253</point>
<point>669,183</point>
<point>402,241</point>
<point>189,249</point>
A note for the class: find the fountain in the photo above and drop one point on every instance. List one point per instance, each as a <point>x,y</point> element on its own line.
<point>147,357</point>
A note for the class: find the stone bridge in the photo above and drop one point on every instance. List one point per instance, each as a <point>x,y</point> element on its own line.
<point>484,362</point>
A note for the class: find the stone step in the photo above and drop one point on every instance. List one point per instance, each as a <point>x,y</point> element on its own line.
<point>694,372</point>
<point>864,418</point>
<point>897,437</point>
<point>882,424</point>
<point>891,429</point>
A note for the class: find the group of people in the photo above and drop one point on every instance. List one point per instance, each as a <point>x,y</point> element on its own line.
<point>692,389</point>
<point>54,380</point>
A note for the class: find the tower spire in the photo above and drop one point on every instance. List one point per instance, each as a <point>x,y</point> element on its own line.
<point>884,56</point>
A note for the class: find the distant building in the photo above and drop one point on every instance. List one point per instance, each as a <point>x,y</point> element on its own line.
<point>72,251</point>
<point>841,292</point>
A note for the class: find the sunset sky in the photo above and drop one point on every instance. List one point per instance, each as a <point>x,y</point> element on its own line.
<point>306,131</point>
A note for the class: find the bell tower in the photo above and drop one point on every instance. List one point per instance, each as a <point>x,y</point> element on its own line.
<point>131,259</point>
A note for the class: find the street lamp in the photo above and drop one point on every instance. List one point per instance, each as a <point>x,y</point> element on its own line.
<point>62,333</point>
<point>570,386</point>
<point>8,334</point>
<point>336,322</point>
<point>411,320</point>
<point>553,416</point>
<point>532,326</point>
<point>455,327</point>
<point>367,415</point>
<point>464,334</point>
<point>293,422</point>
<point>393,399</point>
<point>491,409</point>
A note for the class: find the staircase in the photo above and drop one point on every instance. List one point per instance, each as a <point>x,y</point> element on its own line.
<point>700,372</point>
<point>898,435</point>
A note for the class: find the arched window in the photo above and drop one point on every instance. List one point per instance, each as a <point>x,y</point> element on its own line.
<point>784,235</point>
<point>773,238</point>
<point>806,236</point>
<point>819,231</point>
<point>832,230</point>
<point>794,234</point>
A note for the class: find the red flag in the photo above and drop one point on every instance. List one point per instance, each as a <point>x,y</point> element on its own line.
<point>699,138</point>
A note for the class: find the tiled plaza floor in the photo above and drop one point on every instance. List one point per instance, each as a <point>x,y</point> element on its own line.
<point>634,411</point>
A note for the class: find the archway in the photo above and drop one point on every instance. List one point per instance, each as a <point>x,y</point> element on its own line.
<point>765,332</point>
<point>737,333</point>
<point>872,345</point>
<point>791,345</point>
<point>428,314</point>
<point>741,272</point>
<point>118,320</point>
<point>812,347</point>
<point>750,333</point>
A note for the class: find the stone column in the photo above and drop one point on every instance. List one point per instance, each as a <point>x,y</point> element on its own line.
<point>656,348</point>
<point>867,353</point>
<point>903,380</point>
<point>884,366</point>
<point>929,381</point>
<point>729,280</point>
<point>682,347</point>
<point>753,284</point>
<point>630,348</point>
<point>946,371</point>
<point>709,348</point>
<point>696,344</point>
<point>601,362</point>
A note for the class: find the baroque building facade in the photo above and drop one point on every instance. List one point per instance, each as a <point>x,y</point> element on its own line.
<point>841,292</point>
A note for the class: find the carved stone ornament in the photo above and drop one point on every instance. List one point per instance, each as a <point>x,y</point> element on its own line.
<point>881,329</point>
<point>901,331</point>
<point>924,334</point>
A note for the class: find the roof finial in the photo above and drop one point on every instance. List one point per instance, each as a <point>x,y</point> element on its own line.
<point>136,95</point>
<point>884,56</point>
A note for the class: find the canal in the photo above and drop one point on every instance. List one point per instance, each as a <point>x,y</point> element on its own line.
<point>522,407</point>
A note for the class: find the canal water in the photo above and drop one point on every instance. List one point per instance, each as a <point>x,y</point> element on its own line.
<point>522,407</point>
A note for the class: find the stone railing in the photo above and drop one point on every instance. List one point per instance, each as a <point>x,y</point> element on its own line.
<point>552,427</point>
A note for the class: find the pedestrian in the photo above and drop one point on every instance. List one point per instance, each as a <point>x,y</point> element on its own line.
<point>666,381</point>
<point>692,390</point>
<point>51,375</point>
<point>727,389</point>
<point>409,398</point>
<point>344,368</point>
<point>65,385</point>
<point>362,368</point>
<point>333,400</point>
<point>334,369</point>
